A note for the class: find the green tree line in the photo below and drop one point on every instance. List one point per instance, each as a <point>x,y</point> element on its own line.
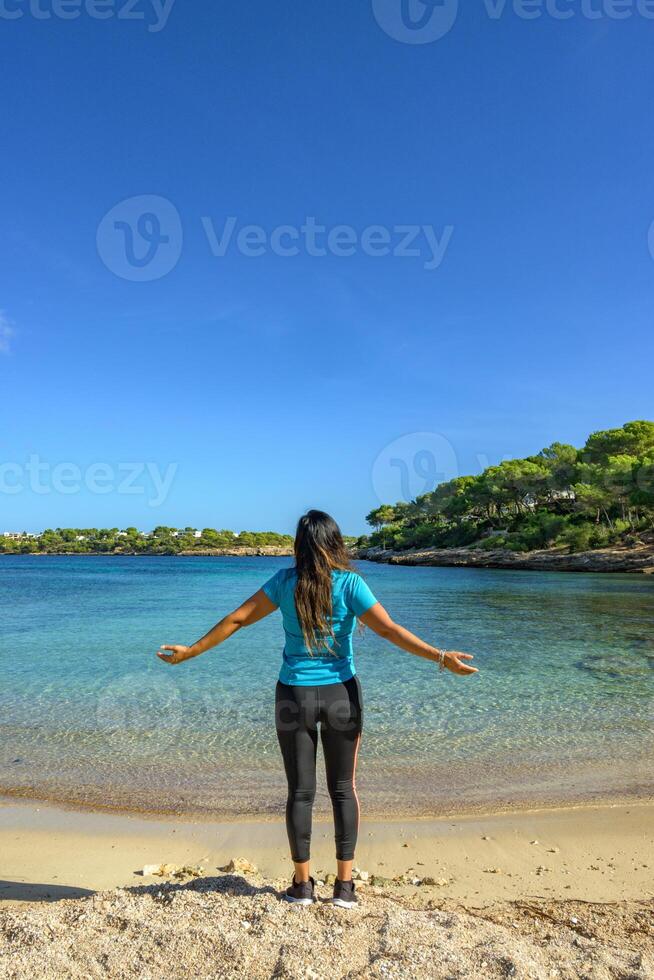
<point>161,541</point>
<point>578,499</point>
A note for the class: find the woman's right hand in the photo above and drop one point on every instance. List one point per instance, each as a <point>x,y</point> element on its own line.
<point>179,653</point>
<point>454,661</point>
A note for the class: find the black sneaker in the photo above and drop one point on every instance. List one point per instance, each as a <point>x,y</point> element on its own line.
<point>302,894</point>
<point>344,895</point>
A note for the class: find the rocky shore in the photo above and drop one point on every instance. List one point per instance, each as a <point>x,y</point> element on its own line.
<point>638,558</point>
<point>235,926</point>
<point>264,551</point>
<point>620,558</point>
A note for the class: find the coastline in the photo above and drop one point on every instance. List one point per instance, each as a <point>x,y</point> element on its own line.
<point>264,551</point>
<point>122,807</point>
<point>618,559</point>
<point>638,559</point>
<point>591,853</point>
<point>451,789</point>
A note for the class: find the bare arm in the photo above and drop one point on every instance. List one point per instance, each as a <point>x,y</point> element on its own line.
<point>377,619</point>
<point>252,610</point>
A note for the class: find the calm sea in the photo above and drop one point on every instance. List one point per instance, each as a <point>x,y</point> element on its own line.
<point>563,708</point>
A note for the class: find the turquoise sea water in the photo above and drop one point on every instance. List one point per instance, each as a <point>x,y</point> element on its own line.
<point>563,707</point>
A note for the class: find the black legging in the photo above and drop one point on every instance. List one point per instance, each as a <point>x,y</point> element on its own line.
<point>338,708</point>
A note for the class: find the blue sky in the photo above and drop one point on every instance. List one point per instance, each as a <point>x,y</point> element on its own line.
<point>263,385</point>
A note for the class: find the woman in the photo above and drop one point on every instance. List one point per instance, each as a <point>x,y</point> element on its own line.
<point>320,598</point>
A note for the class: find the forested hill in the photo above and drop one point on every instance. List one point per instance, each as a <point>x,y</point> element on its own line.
<point>578,499</point>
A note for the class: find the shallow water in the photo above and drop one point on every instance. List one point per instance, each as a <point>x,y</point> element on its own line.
<point>563,707</point>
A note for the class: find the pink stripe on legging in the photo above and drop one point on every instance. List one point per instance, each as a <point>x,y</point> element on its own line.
<point>354,781</point>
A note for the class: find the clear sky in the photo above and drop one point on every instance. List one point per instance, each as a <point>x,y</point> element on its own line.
<point>260,385</point>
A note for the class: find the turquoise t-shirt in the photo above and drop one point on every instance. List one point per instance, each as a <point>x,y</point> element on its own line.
<point>351,598</point>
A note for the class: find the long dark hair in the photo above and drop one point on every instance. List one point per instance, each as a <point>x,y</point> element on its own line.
<point>319,550</point>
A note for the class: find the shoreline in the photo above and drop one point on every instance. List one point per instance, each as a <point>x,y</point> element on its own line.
<point>448,788</point>
<point>203,817</point>
<point>639,560</point>
<point>265,551</point>
<point>591,852</point>
<point>455,808</point>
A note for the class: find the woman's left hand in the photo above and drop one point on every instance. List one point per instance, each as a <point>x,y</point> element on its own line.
<point>179,654</point>
<point>454,660</point>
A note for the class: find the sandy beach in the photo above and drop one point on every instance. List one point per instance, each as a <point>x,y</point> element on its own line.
<point>541,893</point>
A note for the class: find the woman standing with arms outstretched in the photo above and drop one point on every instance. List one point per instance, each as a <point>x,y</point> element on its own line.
<point>320,599</point>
